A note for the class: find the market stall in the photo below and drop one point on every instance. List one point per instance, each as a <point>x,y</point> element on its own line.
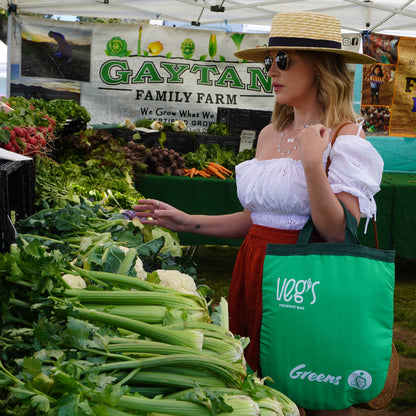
<point>107,253</point>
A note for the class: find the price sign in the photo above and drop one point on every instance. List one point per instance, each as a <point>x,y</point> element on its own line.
<point>247,138</point>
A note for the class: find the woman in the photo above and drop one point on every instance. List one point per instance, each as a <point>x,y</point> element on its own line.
<point>287,182</point>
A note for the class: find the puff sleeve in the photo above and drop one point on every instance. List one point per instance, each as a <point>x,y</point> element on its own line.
<point>356,168</point>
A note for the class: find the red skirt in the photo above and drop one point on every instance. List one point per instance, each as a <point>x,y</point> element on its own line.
<point>245,298</point>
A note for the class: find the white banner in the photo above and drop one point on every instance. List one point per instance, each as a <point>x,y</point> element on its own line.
<point>119,71</point>
<point>140,71</point>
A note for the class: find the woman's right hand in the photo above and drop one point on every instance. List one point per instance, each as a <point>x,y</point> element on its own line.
<point>155,212</point>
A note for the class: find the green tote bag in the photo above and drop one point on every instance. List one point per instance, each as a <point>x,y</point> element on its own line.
<point>327,322</point>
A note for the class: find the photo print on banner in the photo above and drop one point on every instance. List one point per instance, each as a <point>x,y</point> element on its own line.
<point>388,102</point>
<point>62,53</point>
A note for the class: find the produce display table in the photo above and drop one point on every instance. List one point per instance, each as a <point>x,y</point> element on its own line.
<point>396,220</point>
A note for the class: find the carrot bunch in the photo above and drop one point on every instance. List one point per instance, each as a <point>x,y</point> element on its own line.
<point>211,169</point>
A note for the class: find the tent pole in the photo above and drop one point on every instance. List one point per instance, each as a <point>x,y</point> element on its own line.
<point>9,52</point>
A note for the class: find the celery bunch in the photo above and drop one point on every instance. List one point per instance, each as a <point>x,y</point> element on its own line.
<point>121,346</point>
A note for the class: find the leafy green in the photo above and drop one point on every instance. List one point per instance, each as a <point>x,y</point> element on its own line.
<point>61,356</point>
<point>213,401</point>
<point>58,184</point>
<point>62,110</point>
<point>33,112</point>
<point>219,129</point>
<point>213,152</point>
<point>171,239</point>
<point>93,235</point>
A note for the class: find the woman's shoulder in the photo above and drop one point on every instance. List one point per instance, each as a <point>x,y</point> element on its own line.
<point>351,147</point>
<point>265,138</point>
<point>349,128</point>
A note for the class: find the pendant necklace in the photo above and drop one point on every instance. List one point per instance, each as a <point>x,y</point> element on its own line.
<point>291,138</point>
<point>305,126</point>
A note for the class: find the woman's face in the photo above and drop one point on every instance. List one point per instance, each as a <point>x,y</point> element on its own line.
<point>298,84</point>
<point>376,70</point>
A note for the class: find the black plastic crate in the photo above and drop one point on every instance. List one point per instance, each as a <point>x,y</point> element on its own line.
<point>149,139</point>
<point>181,142</point>
<point>261,119</point>
<point>17,190</point>
<point>238,120</point>
<point>120,133</point>
<point>72,126</point>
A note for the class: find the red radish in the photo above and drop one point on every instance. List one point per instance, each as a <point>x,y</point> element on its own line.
<point>19,131</point>
<point>9,147</point>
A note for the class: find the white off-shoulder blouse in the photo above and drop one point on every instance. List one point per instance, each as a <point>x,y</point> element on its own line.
<point>275,190</point>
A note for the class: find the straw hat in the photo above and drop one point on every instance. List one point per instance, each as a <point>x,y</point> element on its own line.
<point>304,31</point>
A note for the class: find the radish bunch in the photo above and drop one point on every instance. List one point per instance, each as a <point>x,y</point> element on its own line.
<point>30,140</point>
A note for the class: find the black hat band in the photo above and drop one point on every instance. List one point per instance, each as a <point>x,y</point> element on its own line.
<point>304,43</point>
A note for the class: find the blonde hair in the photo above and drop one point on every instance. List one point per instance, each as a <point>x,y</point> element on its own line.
<point>335,91</point>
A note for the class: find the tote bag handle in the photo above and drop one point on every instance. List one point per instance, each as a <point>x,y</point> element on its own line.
<point>351,236</point>
<point>328,162</point>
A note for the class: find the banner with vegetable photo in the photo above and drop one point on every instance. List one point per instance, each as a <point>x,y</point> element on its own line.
<point>388,96</point>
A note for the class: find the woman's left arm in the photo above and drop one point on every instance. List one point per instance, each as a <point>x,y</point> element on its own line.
<point>326,210</point>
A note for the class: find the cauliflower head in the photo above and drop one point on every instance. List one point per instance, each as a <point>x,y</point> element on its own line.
<point>177,280</point>
<point>74,281</point>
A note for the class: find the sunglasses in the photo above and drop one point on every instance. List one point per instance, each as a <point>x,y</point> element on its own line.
<point>282,61</point>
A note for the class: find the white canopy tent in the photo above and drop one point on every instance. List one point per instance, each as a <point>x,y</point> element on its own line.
<point>388,16</point>
<point>393,17</point>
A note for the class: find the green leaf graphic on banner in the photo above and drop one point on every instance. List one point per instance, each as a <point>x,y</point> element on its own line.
<point>237,38</point>
<point>117,47</point>
<point>188,48</point>
<point>212,47</point>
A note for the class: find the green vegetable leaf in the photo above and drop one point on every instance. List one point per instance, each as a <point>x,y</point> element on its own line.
<point>172,244</point>
<point>114,258</point>
<point>74,405</point>
<point>32,365</point>
<point>79,332</point>
<point>214,402</point>
<point>130,236</point>
<point>40,402</point>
